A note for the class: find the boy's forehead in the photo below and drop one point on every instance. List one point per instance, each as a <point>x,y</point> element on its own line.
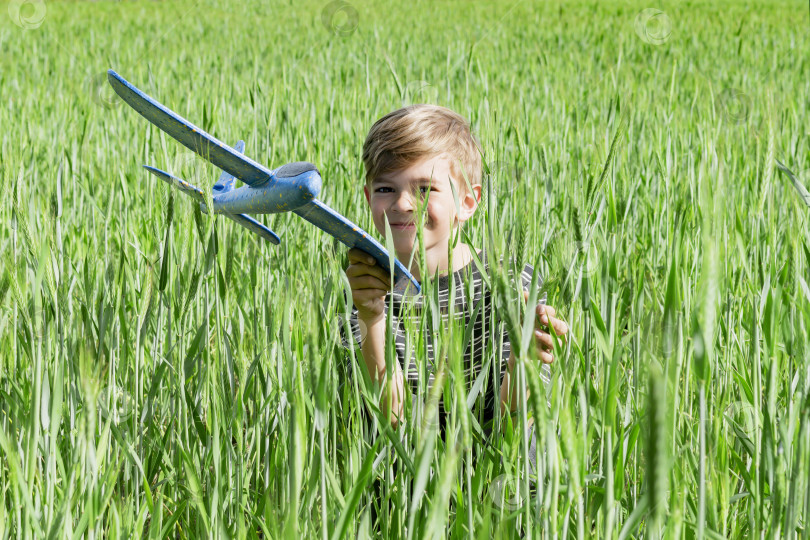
<point>436,168</point>
<point>395,177</point>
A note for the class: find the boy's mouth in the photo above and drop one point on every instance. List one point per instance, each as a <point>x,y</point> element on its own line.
<point>402,226</point>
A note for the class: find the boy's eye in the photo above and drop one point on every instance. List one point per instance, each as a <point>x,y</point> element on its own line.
<point>422,189</point>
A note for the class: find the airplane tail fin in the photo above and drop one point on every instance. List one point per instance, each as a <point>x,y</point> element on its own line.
<point>226,179</point>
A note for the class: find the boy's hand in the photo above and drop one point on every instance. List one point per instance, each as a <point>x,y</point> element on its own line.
<point>544,321</point>
<point>369,283</point>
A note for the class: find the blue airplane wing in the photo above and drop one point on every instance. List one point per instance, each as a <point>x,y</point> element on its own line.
<point>189,135</point>
<point>326,219</point>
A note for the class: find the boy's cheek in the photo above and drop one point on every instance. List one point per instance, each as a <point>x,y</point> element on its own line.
<point>379,222</point>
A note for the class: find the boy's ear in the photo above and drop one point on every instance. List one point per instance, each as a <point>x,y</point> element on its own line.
<point>477,193</point>
<point>368,196</point>
<point>469,203</point>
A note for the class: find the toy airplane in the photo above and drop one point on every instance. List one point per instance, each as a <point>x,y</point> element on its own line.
<point>290,188</point>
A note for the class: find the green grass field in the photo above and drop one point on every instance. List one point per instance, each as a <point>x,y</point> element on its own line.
<point>163,373</point>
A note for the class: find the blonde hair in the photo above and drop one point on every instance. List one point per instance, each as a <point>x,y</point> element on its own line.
<point>408,135</point>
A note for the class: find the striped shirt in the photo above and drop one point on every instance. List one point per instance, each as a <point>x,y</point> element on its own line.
<point>472,299</point>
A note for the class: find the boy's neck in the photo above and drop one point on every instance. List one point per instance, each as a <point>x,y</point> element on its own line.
<point>462,256</point>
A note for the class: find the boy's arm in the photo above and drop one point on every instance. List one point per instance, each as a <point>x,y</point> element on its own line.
<point>373,347</point>
<point>369,285</point>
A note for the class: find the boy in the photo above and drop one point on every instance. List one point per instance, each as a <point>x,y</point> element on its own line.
<point>411,156</point>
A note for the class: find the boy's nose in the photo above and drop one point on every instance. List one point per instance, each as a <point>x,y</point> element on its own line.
<point>404,202</point>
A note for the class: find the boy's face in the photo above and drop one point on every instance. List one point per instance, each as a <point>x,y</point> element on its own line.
<point>399,195</point>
